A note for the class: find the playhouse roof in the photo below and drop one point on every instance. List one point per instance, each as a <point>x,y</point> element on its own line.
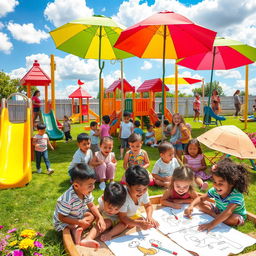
<point>117,84</point>
<point>80,93</point>
<point>153,85</point>
<point>35,76</point>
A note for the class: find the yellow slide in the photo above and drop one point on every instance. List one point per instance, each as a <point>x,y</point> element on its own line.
<point>95,115</point>
<point>15,151</point>
<point>75,118</point>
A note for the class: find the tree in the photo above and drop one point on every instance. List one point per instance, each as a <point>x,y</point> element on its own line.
<point>215,85</point>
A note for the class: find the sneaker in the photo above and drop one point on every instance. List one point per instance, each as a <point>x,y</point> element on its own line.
<point>200,121</point>
<point>50,171</point>
<point>102,185</point>
<point>152,146</point>
<point>204,186</point>
<point>39,170</point>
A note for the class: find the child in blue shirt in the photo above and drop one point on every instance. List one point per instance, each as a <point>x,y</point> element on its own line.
<point>94,135</point>
<point>137,128</point>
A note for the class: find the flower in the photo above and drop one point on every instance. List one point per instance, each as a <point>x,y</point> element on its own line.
<point>26,243</point>
<point>13,243</point>
<point>12,230</point>
<point>1,226</point>
<point>30,233</point>
<point>17,253</point>
<point>39,234</point>
<point>38,244</point>
<point>37,253</point>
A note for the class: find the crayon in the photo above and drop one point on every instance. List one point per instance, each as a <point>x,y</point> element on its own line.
<point>163,249</point>
<point>173,214</point>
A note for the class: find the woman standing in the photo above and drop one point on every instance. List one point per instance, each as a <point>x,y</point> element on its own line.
<point>36,107</point>
<point>237,102</point>
<point>215,102</point>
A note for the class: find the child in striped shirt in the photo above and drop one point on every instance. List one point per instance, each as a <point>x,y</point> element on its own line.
<point>230,181</point>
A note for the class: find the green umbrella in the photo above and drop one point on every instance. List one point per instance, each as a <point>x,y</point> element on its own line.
<point>90,38</point>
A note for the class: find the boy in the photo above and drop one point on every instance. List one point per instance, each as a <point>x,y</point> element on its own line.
<point>84,153</point>
<point>40,141</point>
<point>164,167</point>
<point>94,135</point>
<point>109,205</point>
<point>126,129</point>
<point>137,180</point>
<point>137,128</point>
<point>75,208</point>
<point>159,132</point>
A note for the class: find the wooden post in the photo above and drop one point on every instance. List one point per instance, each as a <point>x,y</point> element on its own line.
<point>246,95</point>
<point>80,110</point>
<point>102,94</point>
<point>28,91</point>
<point>88,115</point>
<point>53,68</point>
<point>202,97</point>
<point>46,99</point>
<point>72,111</point>
<point>176,89</point>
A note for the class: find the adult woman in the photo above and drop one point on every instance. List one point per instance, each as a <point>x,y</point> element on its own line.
<point>36,107</point>
<point>237,102</point>
<point>215,102</point>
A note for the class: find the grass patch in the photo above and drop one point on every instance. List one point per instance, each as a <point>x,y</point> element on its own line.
<point>33,205</point>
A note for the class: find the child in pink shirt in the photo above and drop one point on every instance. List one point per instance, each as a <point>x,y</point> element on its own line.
<point>104,128</point>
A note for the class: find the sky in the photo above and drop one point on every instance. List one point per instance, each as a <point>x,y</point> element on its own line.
<point>25,27</point>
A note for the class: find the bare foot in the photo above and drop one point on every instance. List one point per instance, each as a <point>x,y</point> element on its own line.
<point>90,243</point>
<point>105,237</point>
<point>77,233</point>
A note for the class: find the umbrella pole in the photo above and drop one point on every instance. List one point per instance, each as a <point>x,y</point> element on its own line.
<point>176,89</point>
<point>122,89</point>
<point>246,96</point>
<point>101,69</point>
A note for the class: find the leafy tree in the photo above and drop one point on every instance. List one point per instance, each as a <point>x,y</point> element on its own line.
<point>215,85</point>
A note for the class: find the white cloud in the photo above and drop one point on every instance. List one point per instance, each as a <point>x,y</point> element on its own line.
<point>235,74</point>
<point>1,25</point>
<point>136,82</point>
<point>103,9</point>
<point>17,73</point>
<point>47,28</point>
<point>62,11</point>
<point>5,44</point>
<point>27,33</point>
<point>146,65</point>
<point>7,6</point>
<point>111,77</point>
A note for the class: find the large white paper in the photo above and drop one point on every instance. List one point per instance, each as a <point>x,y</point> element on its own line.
<point>139,244</point>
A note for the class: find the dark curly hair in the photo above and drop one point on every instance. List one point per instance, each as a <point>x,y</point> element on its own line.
<point>235,174</point>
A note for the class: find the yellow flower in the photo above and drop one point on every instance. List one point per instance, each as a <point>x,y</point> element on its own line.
<point>30,233</point>
<point>26,243</point>
<point>13,243</point>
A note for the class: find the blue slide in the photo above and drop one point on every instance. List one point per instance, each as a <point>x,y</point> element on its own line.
<point>52,129</point>
<point>209,115</point>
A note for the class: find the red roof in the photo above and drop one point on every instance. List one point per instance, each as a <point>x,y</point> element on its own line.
<point>153,85</point>
<point>117,84</point>
<point>80,93</point>
<point>35,76</point>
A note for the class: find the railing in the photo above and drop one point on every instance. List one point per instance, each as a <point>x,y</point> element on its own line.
<point>141,107</point>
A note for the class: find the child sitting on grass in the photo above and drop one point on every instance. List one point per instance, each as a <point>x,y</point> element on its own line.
<point>105,162</point>
<point>75,208</point>
<point>137,180</point>
<point>230,181</point>
<point>109,205</point>
<point>136,156</point>
<point>40,142</point>
<point>94,135</point>
<point>159,135</point>
<point>137,128</point>
<point>164,167</point>
<point>150,139</point>
<point>84,153</point>
<point>181,190</point>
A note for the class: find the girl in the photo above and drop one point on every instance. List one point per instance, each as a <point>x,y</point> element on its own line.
<point>67,128</point>
<point>215,102</point>
<point>150,139</point>
<point>136,156</point>
<point>36,108</point>
<point>181,190</point>
<point>105,162</point>
<point>194,159</point>
<point>180,134</point>
<point>196,107</point>
<point>230,181</point>
<point>104,128</point>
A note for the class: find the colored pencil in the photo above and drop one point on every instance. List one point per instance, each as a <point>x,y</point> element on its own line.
<point>173,214</point>
<point>163,249</point>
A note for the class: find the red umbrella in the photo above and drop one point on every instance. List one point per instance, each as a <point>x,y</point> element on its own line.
<point>165,35</point>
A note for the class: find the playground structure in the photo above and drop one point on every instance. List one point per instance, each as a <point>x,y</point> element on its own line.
<point>83,109</point>
<point>15,147</point>
<point>209,115</point>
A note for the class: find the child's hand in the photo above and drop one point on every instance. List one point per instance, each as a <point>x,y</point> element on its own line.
<point>101,224</point>
<point>153,222</point>
<point>145,225</point>
<point>52,148</point>
<point>83,223</point>
<point>188,211</point>
<point>208,226</point>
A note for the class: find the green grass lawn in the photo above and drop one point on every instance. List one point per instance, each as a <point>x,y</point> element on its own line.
<point>33,205</point>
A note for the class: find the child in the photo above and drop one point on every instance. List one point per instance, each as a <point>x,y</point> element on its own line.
<point>196,107</point>
<point>137,128</point>
<point>158,132</point>
<point>126,129</point>
<point>66,128</point>
<point>150,136</point>
<point>105,162</point>
<point>180,134</point>
<point>40,141</point>
<point>181,189</point>
<point>109,205</point>
<point>137,180</point>
<point>104,128</point>
<point>230,181</point>
<point>94,135</point>
<point>194,159</point>
<point>83,154</point>
<point>136,156</point>
<point>164,167</point>
<point>167,129</point>
<point>75,208</point>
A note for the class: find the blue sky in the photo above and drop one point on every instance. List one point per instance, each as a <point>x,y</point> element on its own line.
<point>25,26</point>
